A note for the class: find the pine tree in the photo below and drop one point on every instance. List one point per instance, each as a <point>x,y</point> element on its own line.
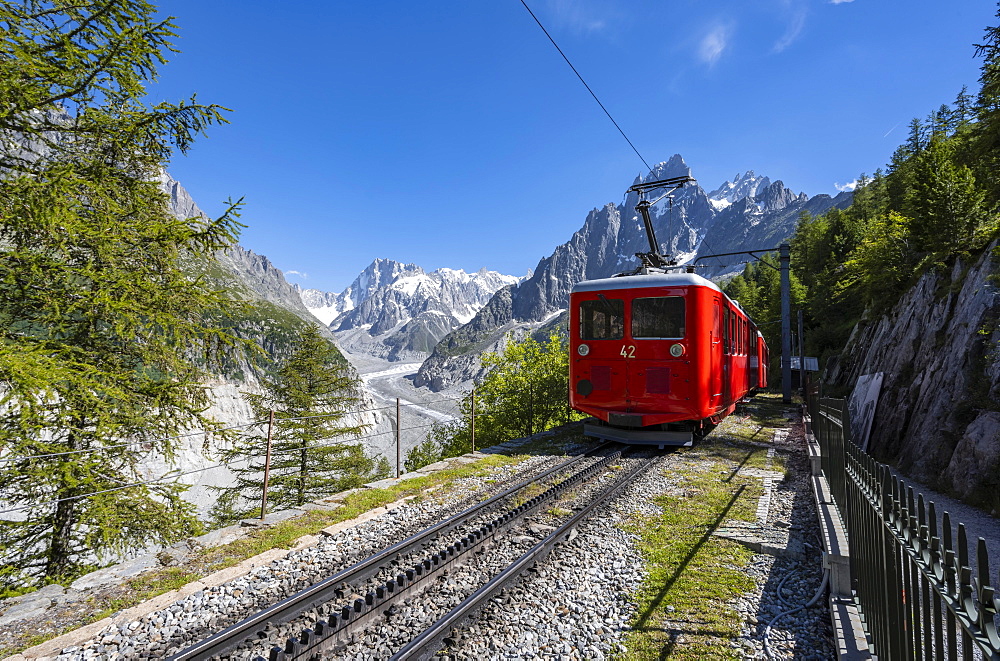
<point>917,137</point>
<point>310,395</point>
<point>103,335</point>
<point>946,203</point>
<point>963,107</point>
<point>986,132</point>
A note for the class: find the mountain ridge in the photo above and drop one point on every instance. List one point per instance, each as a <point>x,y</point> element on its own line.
<point>400,311</point>
<point>687,224</point>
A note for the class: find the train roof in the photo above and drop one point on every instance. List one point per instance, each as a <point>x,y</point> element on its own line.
<point>644,281</point>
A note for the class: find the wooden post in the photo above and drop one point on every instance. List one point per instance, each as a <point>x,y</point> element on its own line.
<point>399,451</point>
<point>267,465</point>
<point>473,418</point>
<point>531,410</point>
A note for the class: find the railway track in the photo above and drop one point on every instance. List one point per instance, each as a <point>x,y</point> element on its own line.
<point>430,567</point>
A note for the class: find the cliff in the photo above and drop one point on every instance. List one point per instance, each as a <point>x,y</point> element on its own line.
<point>938,417</point>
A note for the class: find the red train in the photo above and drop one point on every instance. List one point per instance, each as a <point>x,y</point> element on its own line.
<point>660,358</point>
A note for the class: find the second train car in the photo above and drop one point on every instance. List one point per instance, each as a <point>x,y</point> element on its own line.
<point>660,358</point>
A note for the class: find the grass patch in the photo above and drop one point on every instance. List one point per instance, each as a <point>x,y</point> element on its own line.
<point>684,609</point>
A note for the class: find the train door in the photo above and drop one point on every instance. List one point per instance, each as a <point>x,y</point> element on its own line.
<point>727,357</point>
<point>715,361</point>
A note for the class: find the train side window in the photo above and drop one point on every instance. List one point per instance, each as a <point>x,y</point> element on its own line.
<point>603,319</point>
<point>658,318</point>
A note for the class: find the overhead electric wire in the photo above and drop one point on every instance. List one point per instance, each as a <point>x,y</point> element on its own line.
<point>124,445</point>
<point>586,85</point>
<point>94,493</point>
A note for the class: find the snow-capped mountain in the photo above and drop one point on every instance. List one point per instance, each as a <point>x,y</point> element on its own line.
<point>742,186</point>
<point>327,306</point>
<point>749,213</point>
<point>398,311</point>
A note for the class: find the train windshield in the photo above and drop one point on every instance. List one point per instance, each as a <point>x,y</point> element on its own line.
<point>658,318</point>
<point>603,319</point>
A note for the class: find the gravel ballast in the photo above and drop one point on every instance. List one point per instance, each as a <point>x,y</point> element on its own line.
<point>578,604</point>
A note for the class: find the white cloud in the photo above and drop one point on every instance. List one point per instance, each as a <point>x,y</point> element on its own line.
<point>796,22</point>
<point>300,274</point>
<point>837,2</point>
<point>714,43</point>
<point>848,186</point>
<point>578,17</point>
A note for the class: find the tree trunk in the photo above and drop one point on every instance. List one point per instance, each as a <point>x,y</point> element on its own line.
<point>61,541</point>
<point>303,458</point>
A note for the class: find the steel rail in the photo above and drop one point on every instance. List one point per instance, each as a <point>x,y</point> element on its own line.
<point>339,626</point>
<point>427,644</point>
<point>327,589</point>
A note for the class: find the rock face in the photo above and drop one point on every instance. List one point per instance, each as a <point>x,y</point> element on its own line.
<point>748,213</point>
<point>938,417</point>
<point>400,312</point>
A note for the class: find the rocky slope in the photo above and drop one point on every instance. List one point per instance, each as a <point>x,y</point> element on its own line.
<point>748,213</point>
<point>398,311</point>
<point>938,416</point>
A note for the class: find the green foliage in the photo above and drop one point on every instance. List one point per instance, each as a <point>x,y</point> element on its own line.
<point>947,206</point>
<point>885,249</point>
<point>524,392</point>
<point>103,334</point>
<point>310,397</point>
<point>428,452</point>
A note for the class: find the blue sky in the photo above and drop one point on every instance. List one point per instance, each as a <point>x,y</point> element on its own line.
<point>451,133</point>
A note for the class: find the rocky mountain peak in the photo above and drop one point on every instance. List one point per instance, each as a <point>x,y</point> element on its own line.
<point>742,186</point>
<point>399,311</point>
<point>675,166</point>
<point>775,197</point>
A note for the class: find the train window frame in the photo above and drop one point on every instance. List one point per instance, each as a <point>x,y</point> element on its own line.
<point>601,305</point>
<point>682,327</point>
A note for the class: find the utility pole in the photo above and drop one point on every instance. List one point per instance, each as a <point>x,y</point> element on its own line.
<point>786,324</point>
<point>802,359</point>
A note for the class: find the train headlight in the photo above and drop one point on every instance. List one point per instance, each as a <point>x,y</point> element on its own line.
<point>583,349</point>
<point>677,350</point>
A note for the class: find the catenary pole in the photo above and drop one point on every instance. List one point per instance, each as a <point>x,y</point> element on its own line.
<point>786,324</point>
<point>802,359</point>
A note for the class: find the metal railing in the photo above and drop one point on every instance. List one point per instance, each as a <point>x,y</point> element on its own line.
<point>914,582</point>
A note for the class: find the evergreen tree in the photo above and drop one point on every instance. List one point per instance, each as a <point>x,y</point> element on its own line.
<point>421,455</point>
<point>947,205</point>
<point>987,130</point>
<point>963,107</point>
<point>917,138</point>
<point>310,395</point>
<point>103,335</point>
<point>883,262</point>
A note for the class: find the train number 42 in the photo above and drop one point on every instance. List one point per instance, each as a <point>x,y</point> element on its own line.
<point>628,351</point>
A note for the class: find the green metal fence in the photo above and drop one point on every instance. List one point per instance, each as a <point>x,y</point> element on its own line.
<point>920,594</point>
